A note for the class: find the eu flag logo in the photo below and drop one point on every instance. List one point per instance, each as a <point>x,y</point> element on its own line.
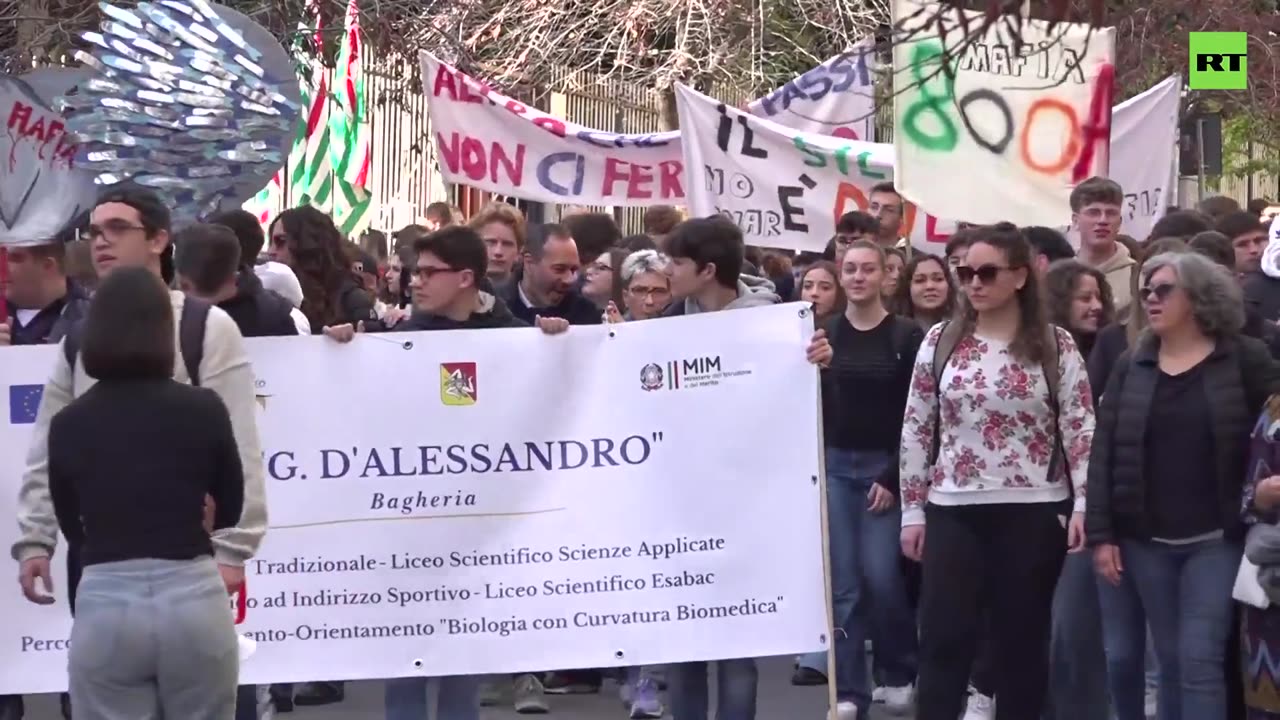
<point>24,403</point>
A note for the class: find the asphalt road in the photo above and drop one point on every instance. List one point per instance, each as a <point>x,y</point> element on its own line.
<point>778,700</point>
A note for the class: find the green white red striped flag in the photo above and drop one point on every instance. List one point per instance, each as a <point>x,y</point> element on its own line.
<point>349,127</point>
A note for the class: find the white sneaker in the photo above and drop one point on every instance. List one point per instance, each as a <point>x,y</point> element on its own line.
<point>877,695</point>
<point>898,700</point>
<point>846,711</point>
<point>980,707</point>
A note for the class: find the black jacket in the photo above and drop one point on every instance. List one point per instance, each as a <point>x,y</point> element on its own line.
<point>494,314</point>
<point>1239,377</point>
<point>574,308</point>
<point>257,311</point>
<point>67,311</point>
<point>1263,292</point>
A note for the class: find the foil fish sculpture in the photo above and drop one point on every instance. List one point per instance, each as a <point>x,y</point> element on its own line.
<point>193,100</point>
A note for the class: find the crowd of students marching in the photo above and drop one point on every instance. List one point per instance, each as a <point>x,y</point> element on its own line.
<point>1005,549</point>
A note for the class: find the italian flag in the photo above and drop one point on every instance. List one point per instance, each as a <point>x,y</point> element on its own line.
<point>349,129</point>
<point>328,167</point>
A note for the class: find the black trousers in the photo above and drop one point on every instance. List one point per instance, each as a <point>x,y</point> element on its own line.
<point>988,570</point>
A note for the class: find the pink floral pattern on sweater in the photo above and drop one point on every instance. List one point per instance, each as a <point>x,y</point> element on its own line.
<point>996,432</point>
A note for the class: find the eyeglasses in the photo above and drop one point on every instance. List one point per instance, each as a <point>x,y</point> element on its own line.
<point>985,274</point>
<point>111,229</point>
<point>642,291</point>
<point>1159,293</point>
<point>426,272</point>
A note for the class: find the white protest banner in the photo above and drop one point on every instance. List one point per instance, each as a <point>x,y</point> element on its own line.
<point>835,98</point>
<point>1012,129</point>
<point>489,141</point>
<point>1144,134</point>
<point>784,188</point>
<point>521,502</point>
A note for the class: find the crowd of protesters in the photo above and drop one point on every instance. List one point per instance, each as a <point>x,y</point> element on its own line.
<point>1043,463</point>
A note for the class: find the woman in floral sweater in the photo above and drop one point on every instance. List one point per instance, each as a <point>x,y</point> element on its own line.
<point>995,436</point>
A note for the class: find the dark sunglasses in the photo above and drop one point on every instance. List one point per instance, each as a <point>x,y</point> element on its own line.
<point>986,274</point>
<point>1160,292</point>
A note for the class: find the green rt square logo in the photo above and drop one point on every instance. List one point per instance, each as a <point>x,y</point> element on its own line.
<point>1219,61</point>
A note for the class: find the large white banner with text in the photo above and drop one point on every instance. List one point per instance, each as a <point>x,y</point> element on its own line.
<point>490,141</point>
<point>1009,128</point>
<point>783,187</point>
<point>1144,137</point>
<point>498,501</point>
<point>837,97</point>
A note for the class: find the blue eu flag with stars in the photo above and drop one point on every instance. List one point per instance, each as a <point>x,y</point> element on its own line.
<point>24,403</point>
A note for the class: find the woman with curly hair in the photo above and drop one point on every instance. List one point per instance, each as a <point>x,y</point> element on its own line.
<point>926,292</point>
<point>1078,299</point>
<point>307,241</point>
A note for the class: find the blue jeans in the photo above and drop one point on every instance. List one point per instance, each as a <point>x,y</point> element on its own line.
<point>1186,590</point>
<point>735,687</point>
<point>406,698</point>
<point>1125,641</point>
<point>868,592</point>
<point>1077,661</point>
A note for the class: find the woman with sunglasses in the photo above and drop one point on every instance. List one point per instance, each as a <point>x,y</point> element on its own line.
<point>1167,472</point>
<point>995,439</point>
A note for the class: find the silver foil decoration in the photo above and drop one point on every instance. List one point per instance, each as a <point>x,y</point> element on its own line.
<point>41,189</point>
<point>191,99</point>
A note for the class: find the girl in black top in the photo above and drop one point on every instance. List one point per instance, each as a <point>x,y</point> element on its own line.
<point>864,392</point>
<point>131,463</point>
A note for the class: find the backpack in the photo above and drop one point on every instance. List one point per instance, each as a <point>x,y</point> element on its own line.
<point>949,338</point>
<point>195,315</point>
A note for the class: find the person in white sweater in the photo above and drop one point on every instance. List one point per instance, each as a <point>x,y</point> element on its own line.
<point>130,227</point>
<point>995,439</point>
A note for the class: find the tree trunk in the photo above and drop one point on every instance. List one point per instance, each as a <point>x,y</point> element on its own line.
<point>669,116</point>
<point>35,16</point>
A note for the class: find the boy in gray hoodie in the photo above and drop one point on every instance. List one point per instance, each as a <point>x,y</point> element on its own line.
<point>706,260</point>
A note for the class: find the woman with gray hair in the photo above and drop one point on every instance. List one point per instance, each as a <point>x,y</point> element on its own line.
<point>1167,471</point>
<point>646,289</point>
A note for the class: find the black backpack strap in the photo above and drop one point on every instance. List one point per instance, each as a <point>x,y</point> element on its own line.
<point>903,328</point>
<point>195,316</point>
<point>948,337</point>
<point>1052,367</point>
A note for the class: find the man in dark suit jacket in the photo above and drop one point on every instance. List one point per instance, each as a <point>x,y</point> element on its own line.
<point>544,285</point>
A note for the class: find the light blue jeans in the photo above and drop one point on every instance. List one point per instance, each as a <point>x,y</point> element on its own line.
<point>1127,646</point>
<point>736,682</point>
<point>1077,660</point>
<point>1186,590</point>
<point>153,639</point>
<point>459,698</point>
<point>868,592</point>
